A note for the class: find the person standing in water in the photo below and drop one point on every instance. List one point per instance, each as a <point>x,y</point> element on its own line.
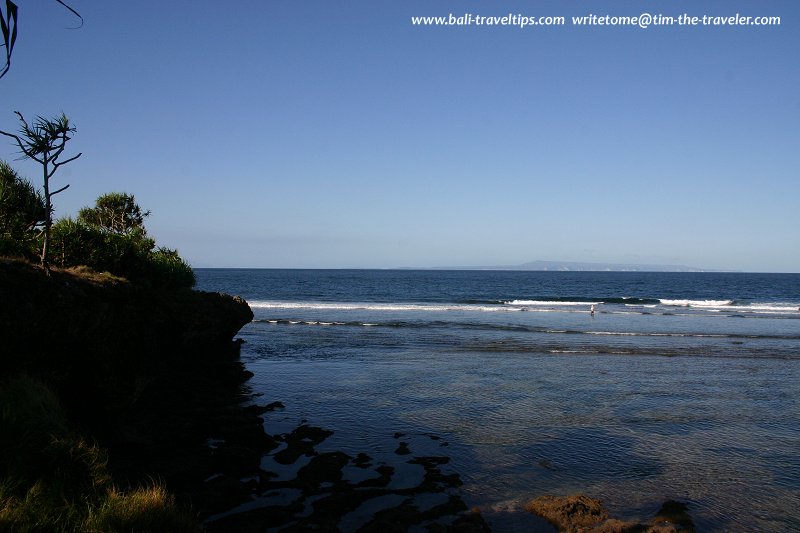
<point>591,311</point>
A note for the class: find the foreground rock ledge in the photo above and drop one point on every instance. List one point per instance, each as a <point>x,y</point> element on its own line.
<point>147,374</point>
<point>581,514</point>
<point>107,346</point>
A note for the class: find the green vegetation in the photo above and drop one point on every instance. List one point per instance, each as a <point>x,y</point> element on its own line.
<point>22,210</point>
<point>53,480</point>
<point>108,237</point>
<point>44,141</point>
<point>116,213</point>
<point>111,237</point>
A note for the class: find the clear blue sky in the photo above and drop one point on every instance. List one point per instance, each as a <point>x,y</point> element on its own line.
<point>333,133</point>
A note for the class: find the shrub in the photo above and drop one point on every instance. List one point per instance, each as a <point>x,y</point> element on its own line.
<point>132,255</point>
<point>169,269</point>
<point>22,211</point>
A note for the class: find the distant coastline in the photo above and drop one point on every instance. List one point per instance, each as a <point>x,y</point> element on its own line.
<point>575,266</point>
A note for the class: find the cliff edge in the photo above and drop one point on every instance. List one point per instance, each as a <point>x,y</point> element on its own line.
<point>147,374</point>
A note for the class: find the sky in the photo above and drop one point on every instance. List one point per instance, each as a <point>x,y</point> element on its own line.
<point>337,134</point>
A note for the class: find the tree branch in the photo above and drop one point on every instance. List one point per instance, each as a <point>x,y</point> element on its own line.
<point>62,189</point>
<point>73,12</point>
<point>22,119</point>
<point>56,165</point>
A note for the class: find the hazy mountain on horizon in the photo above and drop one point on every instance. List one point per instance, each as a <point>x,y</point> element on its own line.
<point>575,266</point>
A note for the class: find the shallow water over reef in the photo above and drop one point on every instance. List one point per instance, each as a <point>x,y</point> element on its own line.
<point>692,398</point>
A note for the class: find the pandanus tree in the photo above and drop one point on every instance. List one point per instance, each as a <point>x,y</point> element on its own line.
<point>44,141</point>
<point>8,28</point>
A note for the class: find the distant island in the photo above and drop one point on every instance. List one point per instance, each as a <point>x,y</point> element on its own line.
<point>572,266</point>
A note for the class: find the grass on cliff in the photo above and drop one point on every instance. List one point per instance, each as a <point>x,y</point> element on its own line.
<point>53,480</point>
<point>82,272</point>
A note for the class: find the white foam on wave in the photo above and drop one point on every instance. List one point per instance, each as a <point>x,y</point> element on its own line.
<point>357,306</point>
<point>716,306</point>
<point>707,306</point>
<point>779,308</point>
<point>548,303</point>
<point>655,334</point>
<point>697,303</point>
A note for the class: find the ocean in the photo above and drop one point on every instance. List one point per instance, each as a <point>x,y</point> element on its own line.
<point>630,387</point>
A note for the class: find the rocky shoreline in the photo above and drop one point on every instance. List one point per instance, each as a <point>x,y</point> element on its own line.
<point>154,378</point>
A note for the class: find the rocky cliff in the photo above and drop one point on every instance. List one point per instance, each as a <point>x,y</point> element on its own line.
<point>148,375</point>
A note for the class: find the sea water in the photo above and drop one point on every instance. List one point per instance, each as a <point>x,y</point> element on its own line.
<point>680,386</point>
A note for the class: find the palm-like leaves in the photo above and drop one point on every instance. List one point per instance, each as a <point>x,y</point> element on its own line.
<point>8,26</point>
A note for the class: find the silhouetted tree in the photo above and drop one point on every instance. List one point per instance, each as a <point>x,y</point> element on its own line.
<point>44,142</point>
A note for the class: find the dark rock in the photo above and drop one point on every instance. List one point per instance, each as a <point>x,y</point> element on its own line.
<point>323,468</point>
<point>219,494</point>
<point>471,522</point>
<point>430,462</point>
<point>402,449</point>
<point>299,442</point>
<point>256,520</point>
<point>362,460</point>
<point>676,514</point>
<point>385,473</point>
<point>274,405</point>
<point>237,459</point>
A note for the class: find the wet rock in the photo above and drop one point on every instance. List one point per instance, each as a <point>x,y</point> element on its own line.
<point>394,519</point>
<point>434,480</point>
<point>581,514</point>
<point>429,462</point>
<point>471,522</point>
<point>617,526</point>
<point>403,449</point>
<point>362,460</point>
<point>569,513</point>
<point>323,468</point>
<point>300,442</point>
<point>385,473</point>
<point>221,493</point>
<point>673,516</point>
<point>256,520</point>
